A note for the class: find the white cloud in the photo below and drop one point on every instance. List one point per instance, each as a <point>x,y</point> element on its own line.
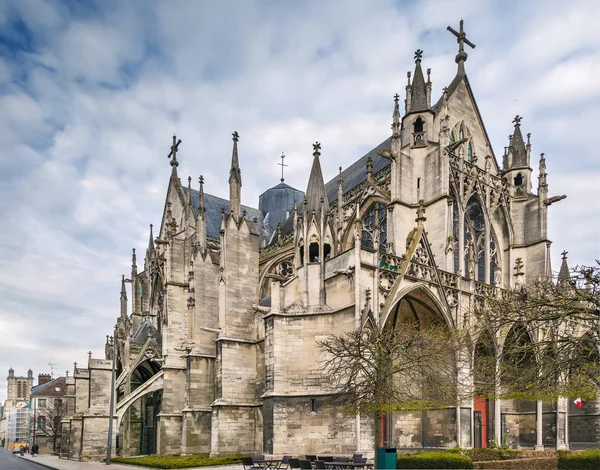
<point>97,94</point>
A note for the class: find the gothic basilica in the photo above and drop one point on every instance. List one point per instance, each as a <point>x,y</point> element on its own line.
<point>216,343</point>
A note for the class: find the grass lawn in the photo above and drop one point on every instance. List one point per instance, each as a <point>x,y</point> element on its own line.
<point>176,461</point>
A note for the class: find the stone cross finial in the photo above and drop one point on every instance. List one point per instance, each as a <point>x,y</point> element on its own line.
<point>174,150</point>
<point>236,136</point>
<point>201,180</point>
<point>517,120</point>
<point>408,74</point>
<point>418,55</point>
<point>282,165</point>
<point>189,180</point>
<point>461,38</point>
<point>428,75</point>
<point>396,98</point>
<point>75,365</point>
<point>89,355</point>
<point>316,149</point>
<point>564,254</point>
<point>421,212</point>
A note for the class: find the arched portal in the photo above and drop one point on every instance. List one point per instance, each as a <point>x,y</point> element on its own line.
<point>484,383</point>
<point>518,369</point>
<point>432,428</point>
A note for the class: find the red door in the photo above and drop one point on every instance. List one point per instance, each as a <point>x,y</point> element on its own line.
<point>481,422</point>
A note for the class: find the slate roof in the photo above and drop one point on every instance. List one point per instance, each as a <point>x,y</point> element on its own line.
<point>213,205</point>
<point>48,389</point>
<point>357,172</point>
<point>143,331</point>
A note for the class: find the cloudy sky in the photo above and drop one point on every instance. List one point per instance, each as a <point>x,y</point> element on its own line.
<point>92,92</point>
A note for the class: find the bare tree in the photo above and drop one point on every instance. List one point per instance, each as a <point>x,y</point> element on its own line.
<point>552,331</point>
<point>377,370</point>
<point>49,419</point>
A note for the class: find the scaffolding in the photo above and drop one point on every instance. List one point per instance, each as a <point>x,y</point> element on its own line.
<point>18,422</point>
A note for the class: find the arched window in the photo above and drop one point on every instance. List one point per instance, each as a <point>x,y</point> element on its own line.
<point>474,231</point>
<point>452,153</point>
<point>418,125</point>
<point>470,152</point>
<point>313,252</point>
<point>493,260</point>
<point>519,179</point>
<point>375,215</point>
<point>301,255</point>
<point>461,133</point>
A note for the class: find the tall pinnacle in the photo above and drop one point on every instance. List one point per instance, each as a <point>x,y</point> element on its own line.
<point>201,205</point>
<point>543,182</point>
<point>151,241</point>
<point>461,39</point>
<point>396,117</point>
<point>315,191</point>
<point>564,275</point>
<point>123,298</point>
<point>418,101</point>
<point>235,181</point>
<point>235,173</point>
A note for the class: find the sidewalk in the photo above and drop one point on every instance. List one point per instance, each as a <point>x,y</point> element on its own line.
<point>54,463</point>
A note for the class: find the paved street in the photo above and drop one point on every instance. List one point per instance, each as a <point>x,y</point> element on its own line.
<point>9,462</point>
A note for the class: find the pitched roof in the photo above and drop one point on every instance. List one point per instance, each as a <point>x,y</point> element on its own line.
<point>418,100</point>
<point>49,389</point>
<point>356,173</point>
<point>213,205</point>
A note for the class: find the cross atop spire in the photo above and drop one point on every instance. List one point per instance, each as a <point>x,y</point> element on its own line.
<point>236,136</point>
<point>418,55</point>
<point>282,165</point>
<point>173,154</point>
<point>316,149</point>
<point>396,98</point>
<point>461,38</point>
<point>517,120</point>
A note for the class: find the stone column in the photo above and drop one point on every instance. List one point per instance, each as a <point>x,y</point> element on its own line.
<point>538,426</point>
<point>498,421</point>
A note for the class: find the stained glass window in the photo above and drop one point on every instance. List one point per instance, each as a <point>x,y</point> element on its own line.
<point>369,227</point>
<point>470,153</point>
<point>475,234</point>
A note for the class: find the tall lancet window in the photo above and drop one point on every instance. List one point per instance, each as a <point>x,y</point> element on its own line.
<point>375,215</point>
<point>470,152</point>
<point>493,260</point>
<point>452,152</point>
<point>475,239</point>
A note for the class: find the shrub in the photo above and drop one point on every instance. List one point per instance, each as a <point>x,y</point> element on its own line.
<point>176,461</point>
<point>587,460</point>
<point>487,454</point>
<point>434,460</point>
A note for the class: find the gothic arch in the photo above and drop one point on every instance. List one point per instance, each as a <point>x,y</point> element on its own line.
<point>419,295</point>
<point>347,237</point>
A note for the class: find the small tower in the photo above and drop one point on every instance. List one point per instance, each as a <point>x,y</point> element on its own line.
<point>316,234</point>
<point>235,181</point>
<point>564,275</point>
<point>418,119</point>
<point>517,170</point>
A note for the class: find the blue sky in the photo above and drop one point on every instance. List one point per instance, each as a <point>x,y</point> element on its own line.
<point>91,93</point>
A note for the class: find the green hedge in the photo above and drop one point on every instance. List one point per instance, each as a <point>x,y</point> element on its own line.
<point>587,460</point>
<point>177,461</point>
<point>485,454</point>
<point>434,460</point>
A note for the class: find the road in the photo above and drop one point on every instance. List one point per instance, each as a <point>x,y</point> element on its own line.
<point>10,462</point>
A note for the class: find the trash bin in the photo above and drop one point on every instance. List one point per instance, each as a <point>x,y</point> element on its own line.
<point>386,458</point>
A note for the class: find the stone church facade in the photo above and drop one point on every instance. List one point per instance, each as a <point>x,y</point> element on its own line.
<point>216,342</point>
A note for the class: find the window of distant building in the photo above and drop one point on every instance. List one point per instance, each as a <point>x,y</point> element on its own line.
<point>41,403</point>
<point>42,422</point>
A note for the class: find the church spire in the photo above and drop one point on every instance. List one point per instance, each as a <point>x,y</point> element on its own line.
<point>315,191</point>
<point>461,39</point>
<point>564,274</point>
<point>173,156</point>
<point>418,98</point>
<point>123,298</point>
<point>396,118</point>
<point>201,204</point>
<point>517,146</point>
<point>235,180</point>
